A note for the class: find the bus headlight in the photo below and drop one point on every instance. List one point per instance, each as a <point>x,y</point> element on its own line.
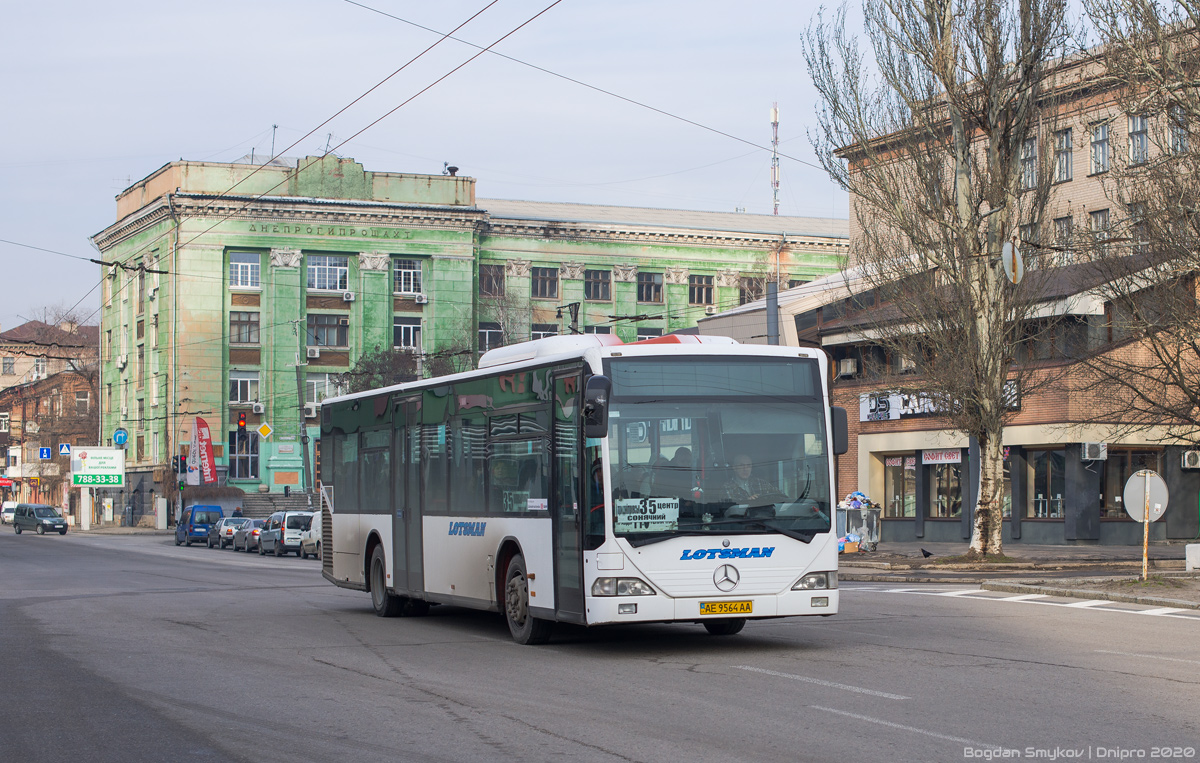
<point>816,580</point>
<point>621,587</point>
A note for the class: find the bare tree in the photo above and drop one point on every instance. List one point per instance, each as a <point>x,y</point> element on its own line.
<point>934,133</point>
<point>1150,52</point>
<point>379,368</point>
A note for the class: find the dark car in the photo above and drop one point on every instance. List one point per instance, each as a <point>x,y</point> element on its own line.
<point>39,518</point>
<point>221,534</point>
<point>246,536</point>
<point>196,522</point>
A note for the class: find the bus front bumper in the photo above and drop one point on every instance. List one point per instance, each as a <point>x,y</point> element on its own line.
<point>659,608</point>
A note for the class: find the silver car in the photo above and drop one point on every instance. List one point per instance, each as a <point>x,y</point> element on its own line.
<point>246,536</point>
<point>221,534</point>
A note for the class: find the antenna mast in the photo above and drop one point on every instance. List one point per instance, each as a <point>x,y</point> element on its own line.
<point>775,153</point>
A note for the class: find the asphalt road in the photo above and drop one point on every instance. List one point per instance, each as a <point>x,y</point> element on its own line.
<point>130,649</point>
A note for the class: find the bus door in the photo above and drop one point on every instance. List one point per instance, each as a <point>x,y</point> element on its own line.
<point>567,492</point>
<point>406,499</point>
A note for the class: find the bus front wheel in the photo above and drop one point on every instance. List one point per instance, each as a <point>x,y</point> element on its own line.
<point>726,626</point>
<point>525,628</point>
<point>385,604</point>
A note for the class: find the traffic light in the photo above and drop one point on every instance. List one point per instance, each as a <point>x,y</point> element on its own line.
<point>177,462</point>
<point>242,423</point>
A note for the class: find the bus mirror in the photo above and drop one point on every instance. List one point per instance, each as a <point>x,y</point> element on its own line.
<point>841,433</point>
<point>595,406</point>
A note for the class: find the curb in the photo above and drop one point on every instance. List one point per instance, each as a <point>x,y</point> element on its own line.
<point>855,578</point>
<point>1163,564</point>
<point>1007,586</point>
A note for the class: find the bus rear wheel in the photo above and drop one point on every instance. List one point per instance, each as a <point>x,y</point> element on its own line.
<point>525,628</point>
<point>726,626</point>
<point>385,604</point>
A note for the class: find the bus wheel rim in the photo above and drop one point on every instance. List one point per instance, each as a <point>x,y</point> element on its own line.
<point>518,592</point>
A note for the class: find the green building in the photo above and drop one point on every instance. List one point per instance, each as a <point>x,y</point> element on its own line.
<point>227,277</point>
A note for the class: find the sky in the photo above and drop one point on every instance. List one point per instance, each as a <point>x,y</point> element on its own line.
<point>99,95</point>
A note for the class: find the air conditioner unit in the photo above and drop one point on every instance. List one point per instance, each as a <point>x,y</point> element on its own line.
<point>152,293</point>
<point>348,296</point>
<point>259,408</point>
<point>124,410</point>
<point>1191,459</point>
<point>421,299</point>
<point>1095,451</point>
<point>710,310</point>
<point>310,410</point>
<point>314,352</point>
<point>122,361</point>
<point>847,367</point>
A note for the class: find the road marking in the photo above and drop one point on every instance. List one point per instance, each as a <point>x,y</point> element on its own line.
<point>963,592</point>
<point>902,727</point>
<point>1160,611</point>
<point>1087,603</point>
<point>819,682</point>
<point>1024,597</point>
<point>1149,656</point>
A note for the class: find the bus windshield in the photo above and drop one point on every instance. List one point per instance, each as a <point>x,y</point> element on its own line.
<point>718,446</point>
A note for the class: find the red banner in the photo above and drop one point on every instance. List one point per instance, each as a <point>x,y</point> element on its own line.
<point>208,467</point>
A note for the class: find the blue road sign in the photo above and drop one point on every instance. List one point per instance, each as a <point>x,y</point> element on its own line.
<point>44,454</point>
<point>120,437</point>
<point>64,449</point>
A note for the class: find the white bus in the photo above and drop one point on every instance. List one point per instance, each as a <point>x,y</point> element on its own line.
<point>578,479</point>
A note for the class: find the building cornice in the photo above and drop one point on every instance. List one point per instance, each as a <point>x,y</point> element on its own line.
<point>591,232</point>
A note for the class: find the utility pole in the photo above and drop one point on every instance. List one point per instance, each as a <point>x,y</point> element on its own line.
<point>775,154</point>
<point>306,476</point>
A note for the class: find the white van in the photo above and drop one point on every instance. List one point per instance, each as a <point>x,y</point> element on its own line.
<point>7,511</point>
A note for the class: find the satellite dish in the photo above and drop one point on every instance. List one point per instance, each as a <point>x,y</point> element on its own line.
<point>1014,265</point>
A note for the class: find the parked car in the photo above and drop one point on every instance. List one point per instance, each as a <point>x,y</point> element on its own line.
<point>39,518</point>
<point>310,539</point>
<point>246,536</point>
<point>221,534</point>
<point>282,533</point>
<point>196,522</point>
<point>6,513</point>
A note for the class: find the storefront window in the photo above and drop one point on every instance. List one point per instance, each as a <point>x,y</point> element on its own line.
<point>945,491</point>
<point>1047,483</point>
<point>1121,464</point>
<point>900,486</point>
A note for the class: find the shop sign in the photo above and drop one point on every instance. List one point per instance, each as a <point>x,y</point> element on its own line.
<point>944,456</point>
<point>908,462</point>
<point>889,406</point>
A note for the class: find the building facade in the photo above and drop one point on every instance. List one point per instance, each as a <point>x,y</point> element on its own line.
<point>240,293</point>
<point>35,350</point>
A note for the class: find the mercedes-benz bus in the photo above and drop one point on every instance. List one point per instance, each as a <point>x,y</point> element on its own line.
<point>581,480</point>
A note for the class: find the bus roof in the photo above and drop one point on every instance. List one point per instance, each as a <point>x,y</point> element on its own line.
<point>557,349</point>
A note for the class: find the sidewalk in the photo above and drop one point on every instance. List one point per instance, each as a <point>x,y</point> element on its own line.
<point>111,530</point>
<point>1086,572</point>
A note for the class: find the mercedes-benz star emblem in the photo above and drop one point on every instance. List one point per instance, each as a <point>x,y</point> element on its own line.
<point>726,577</point>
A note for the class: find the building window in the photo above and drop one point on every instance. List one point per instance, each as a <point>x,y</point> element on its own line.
<point>649,287</point>
<point>597,329</point>
<point>545,283</point>
<point>10,367</point>
<point>140,371</point>
<point>596,285</point>
<point>243,386</point>
<point>1177,128</point>
<point>317,387</point>
<point>1063,156</point>
<point>1029,235</point>
<point>243,455</point>
<point>751,288</point>
<point>1139,138</point>
<point>1120,465</point>
<point>4,422</point>
<point>244,270</point>
<point>1047,483</point>
<point>1028,163</point>
<point>39,367</point>
<point>700,290</point>
<point>407,276</point>
<point>406,333</point>
<point>491,336</point>
<point>1099,148</point>
<point>141,447</point>
<point>945,491</point>
<point>82,402</point>
<point>141,414</point>
<point>328,330</point>
<point>900,486</point>
<point>1138,231</point>
<point>243,327</point>
<point>1099,225</point>
<point>645,332</point>
<point>543,330</point>
<point>327,272</point>
<point>491,280</point>
<point>1064,233</point>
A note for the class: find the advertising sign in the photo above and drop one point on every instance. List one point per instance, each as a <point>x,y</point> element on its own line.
<point>98,467</point>
<point>945,456</point>
<point>208,466</point>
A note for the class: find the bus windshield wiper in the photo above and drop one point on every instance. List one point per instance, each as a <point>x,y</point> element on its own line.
<point>645,540</point>
<point>803,536</point>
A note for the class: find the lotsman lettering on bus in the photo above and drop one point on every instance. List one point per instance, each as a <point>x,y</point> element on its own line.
<point>727,553</point>
<point>467,528</point>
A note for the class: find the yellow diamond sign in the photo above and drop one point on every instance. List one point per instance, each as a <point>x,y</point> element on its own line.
<point>264,430</point>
